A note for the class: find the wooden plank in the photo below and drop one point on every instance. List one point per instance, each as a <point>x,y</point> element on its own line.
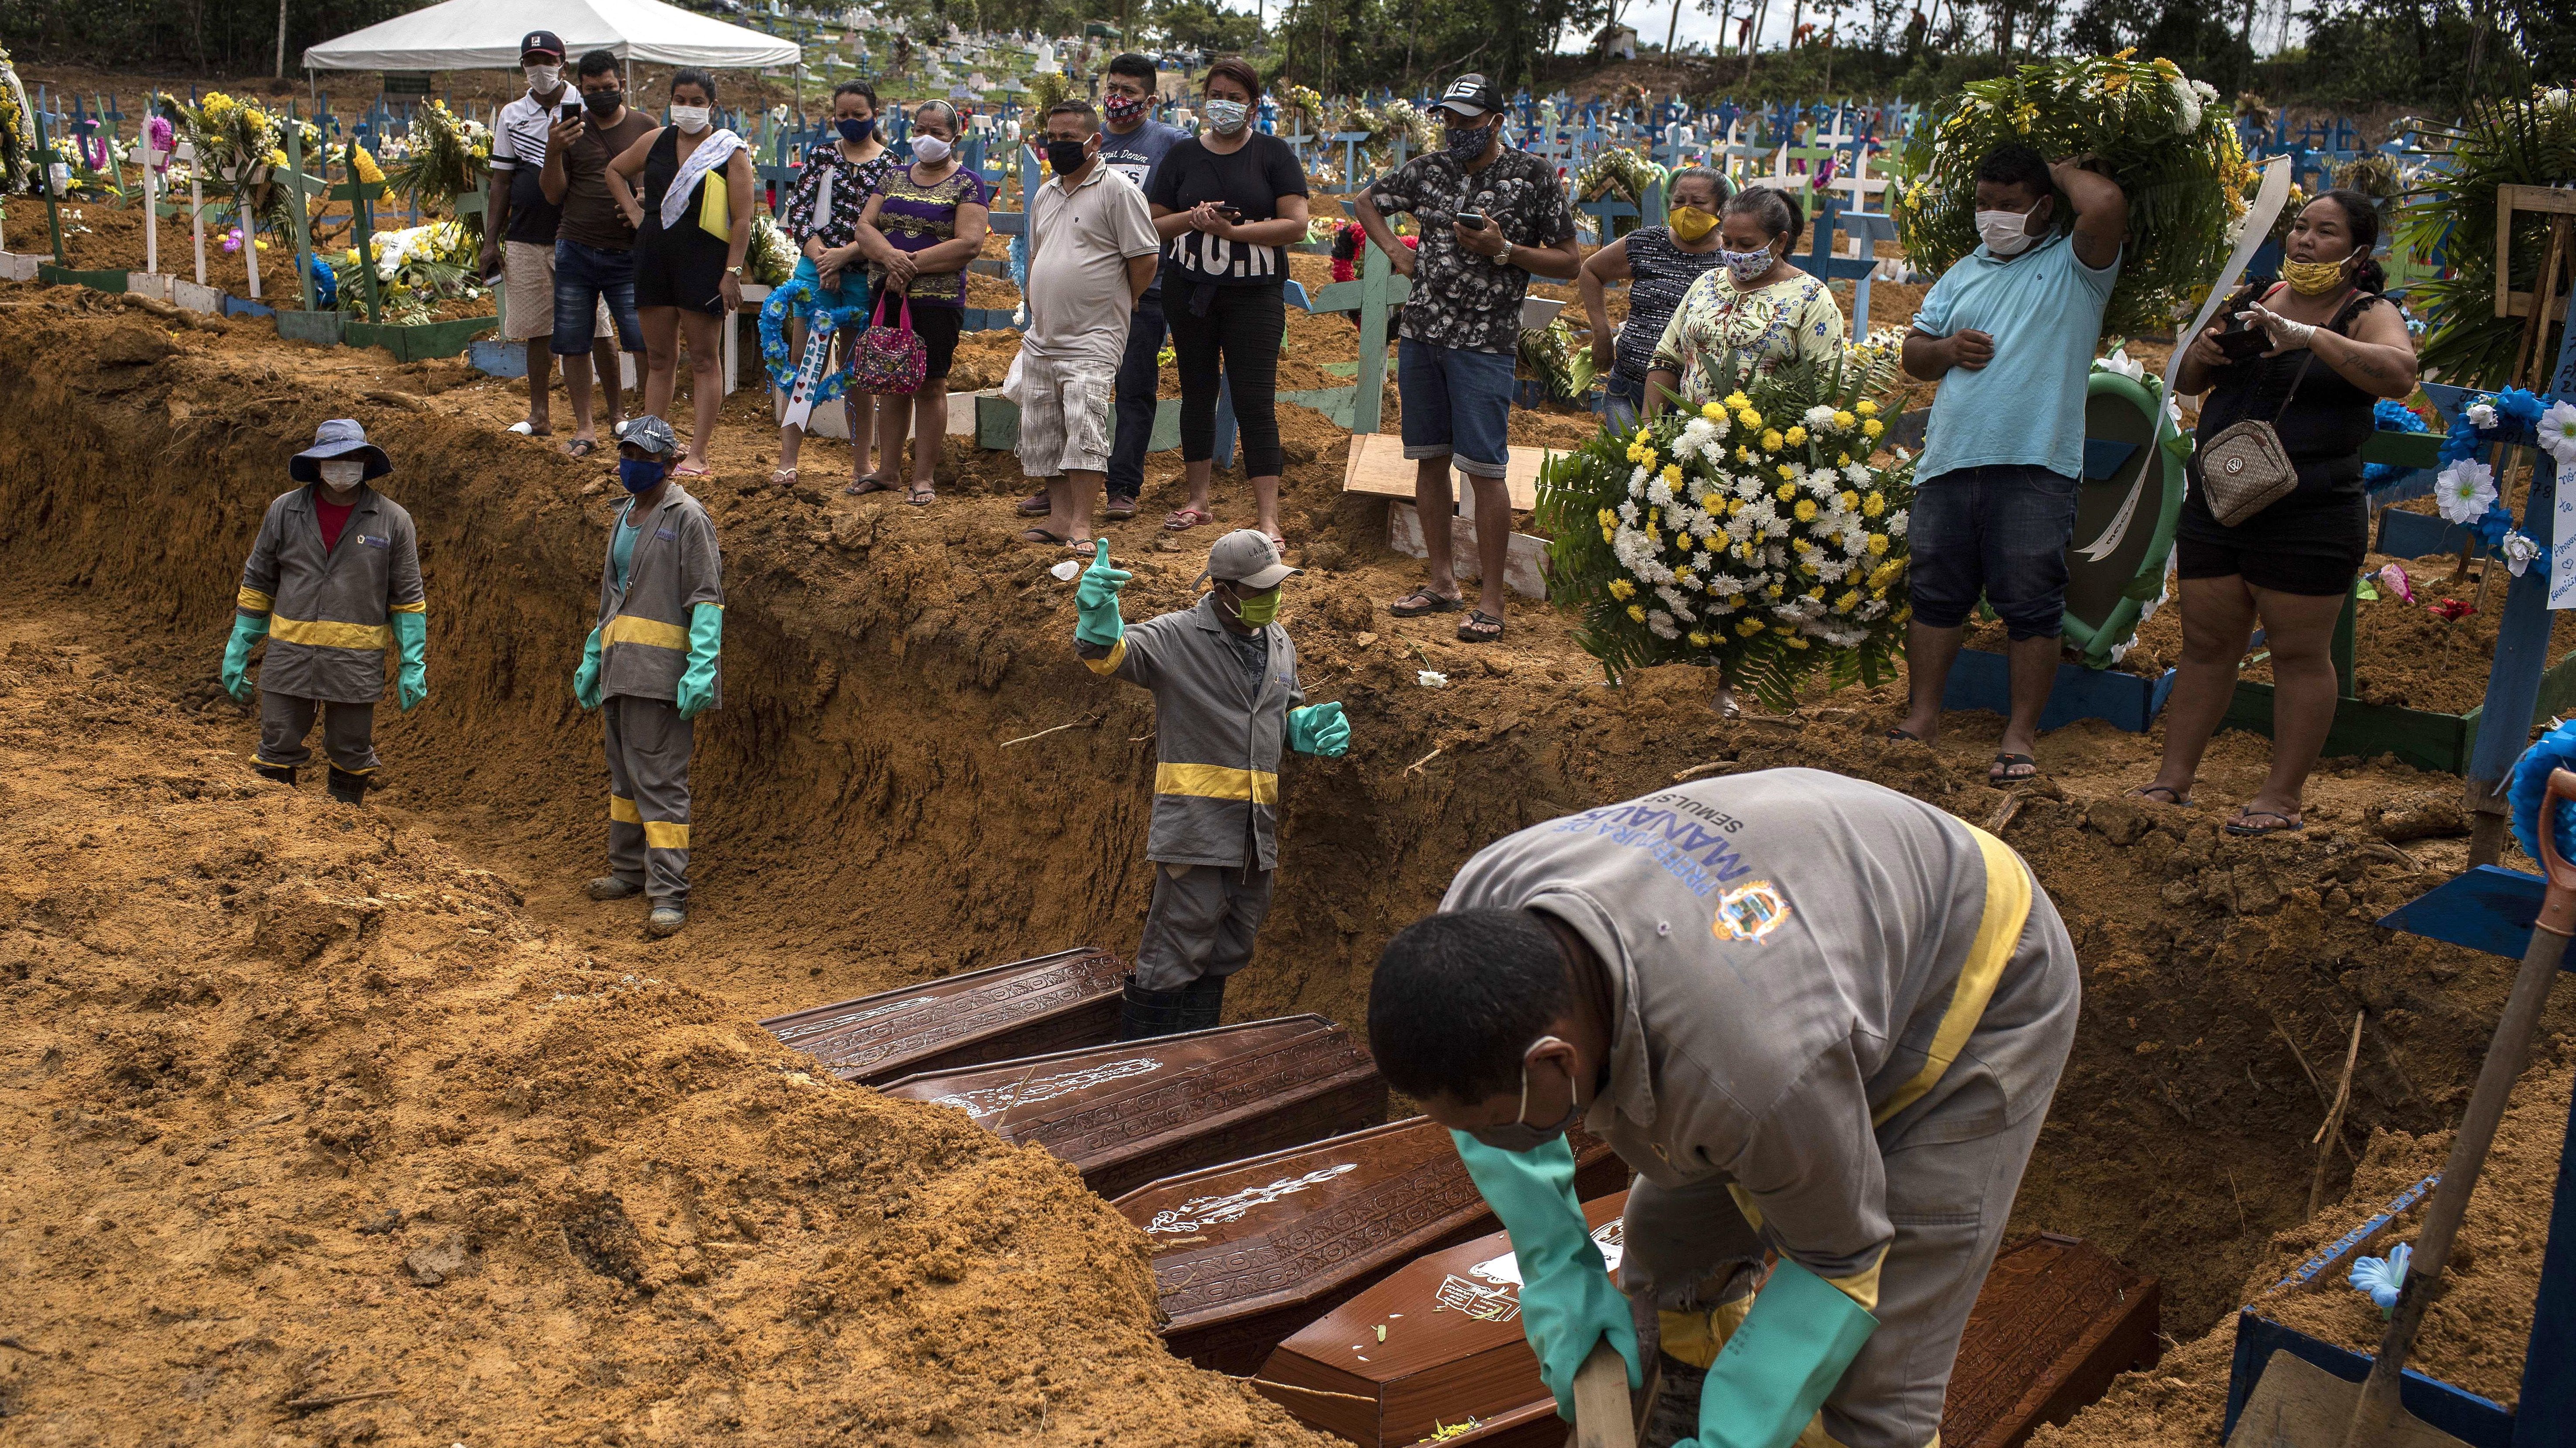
<point>1379,467</point>
<point>2510,199</point>
<point>2420,737</point>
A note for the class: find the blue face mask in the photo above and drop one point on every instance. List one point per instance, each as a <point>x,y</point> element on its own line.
<point>854,131</point>
<point>640,474</point>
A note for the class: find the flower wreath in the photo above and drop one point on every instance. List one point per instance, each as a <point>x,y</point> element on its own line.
<point>2465,490</point>
<point>799,296</point>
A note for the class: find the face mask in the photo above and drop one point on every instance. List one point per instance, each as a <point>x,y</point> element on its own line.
<point>1227,117</point>
<point>344,475</point>
<point>929,150</point>
<point>2006,233</point>
<point>1122,109</point>
<point>1746,265</point>
<point>690,119</point>
<point>1690,223</point>
<point>640,474</point>
<point>1466,141</point>
<point>1257,611</point>
<point>2312,278</point>
<point>1521,1135</point>
<point>1066,157</point>
<point>854,130</point>
<point>603,103</point>
<point>543,78</point>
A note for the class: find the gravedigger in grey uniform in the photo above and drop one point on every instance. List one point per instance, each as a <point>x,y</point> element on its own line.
<point>1226,696</point>
<point>651,666</point>
<point>333,579</point>
<point>1821,1020</point>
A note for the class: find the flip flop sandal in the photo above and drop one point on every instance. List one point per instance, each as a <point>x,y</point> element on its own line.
<point>2243,831</point>
<point>1036,505</point>
<point>1182,520</point>
<point>690,472</point>
<point>1480,628</point>
<point>1903,736</point>
<point>1042,537</point>
<point>783,477</point>
<point>1423,601</point>
<point>2148,792</point>
<point>1078,545</point>
<point>2013,769</point>
<point>581,447</point>
<point>921,496</point>
<point>861,487</point>
<point>1277,543</point>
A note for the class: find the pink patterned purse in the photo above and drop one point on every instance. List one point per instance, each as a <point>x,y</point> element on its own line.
<point>889,361</point>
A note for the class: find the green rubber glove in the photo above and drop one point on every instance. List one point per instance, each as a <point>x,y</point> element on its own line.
<point>706,644</point>
<point>246,631</point>
<point>1319,729</point>
<point>1568,1301</point>
<point>1780,1366</point>
<point>585,680</point>
<point>411,636</point>
<point>1095,601</point>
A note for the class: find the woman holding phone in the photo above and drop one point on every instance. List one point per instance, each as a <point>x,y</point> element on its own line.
<point>2312,355</point>
<point>1227,203</point>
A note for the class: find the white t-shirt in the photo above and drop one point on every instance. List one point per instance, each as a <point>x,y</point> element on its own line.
<point>1079,245</point>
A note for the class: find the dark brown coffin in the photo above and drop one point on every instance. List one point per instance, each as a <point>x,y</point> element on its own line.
<point>1249,1252</point>
<point>1046,1003</point>
<point>1126,1113</point>
<point>2056,1321</point>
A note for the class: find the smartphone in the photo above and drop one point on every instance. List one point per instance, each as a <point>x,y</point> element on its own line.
<point>2243,343</point>
<point>1472,220</point>
<point>1231,213</point>
<point>571,111</point>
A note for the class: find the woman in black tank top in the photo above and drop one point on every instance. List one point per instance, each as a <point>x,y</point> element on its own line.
<point>2325,346</point>
<point>687,278</point>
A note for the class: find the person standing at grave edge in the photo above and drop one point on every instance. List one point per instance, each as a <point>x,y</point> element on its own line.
<point>520,227</point>
<point>1226,697</point>
<point>332,580</point>
<point>2009,332</point>
<point>1491,218</point>
<point>594,250</point>
<point>1823,1021</point>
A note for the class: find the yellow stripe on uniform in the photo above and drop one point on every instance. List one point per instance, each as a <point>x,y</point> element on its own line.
<point>627,628</point>
<point>1108,663</point>
<point>664,835</point>
<point>623,811</point>
<point>324,634</point>
<point>251,600</point>
<point>1862,1286</point>
<point>420,607</point>
<point>1216,781</point>
<point>1998,932</point>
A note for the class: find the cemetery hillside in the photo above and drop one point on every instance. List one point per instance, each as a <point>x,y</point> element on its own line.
<point>1850,713</point>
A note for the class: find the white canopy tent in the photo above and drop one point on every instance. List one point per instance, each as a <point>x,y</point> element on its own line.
<point>485,34</point>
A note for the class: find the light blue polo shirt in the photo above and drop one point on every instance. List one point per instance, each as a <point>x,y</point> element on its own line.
<point>2044,310</point>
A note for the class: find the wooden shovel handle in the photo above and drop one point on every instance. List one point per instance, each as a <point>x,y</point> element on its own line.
<point>1601,1405</point>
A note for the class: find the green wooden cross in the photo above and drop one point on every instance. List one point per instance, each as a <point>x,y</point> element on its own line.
<point>298,186</point>
<point>362,221</point>
<point>45,173</point>
<point>1377,292</point>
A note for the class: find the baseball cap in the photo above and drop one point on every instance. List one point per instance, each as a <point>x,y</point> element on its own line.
<point>649,433</point>
<point>1472,96</point>
<point>541,42</point>
<point>1247,557</point>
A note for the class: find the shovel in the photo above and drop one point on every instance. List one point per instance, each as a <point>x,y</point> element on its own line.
<point>2300,1405</point>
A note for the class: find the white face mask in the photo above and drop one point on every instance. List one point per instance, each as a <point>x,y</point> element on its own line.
<point>929,150</point>
<point>542,79</point>
<point>690,119</point>
<point>344,475</point>
<point>2006,233</point>
<point>1227,117</point>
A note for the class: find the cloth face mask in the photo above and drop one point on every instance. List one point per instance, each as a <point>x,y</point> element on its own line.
<point>542,78</point>
<point>1746,265</point>
<point>929,150</point>
<point>1123,109</point>
<point>344,475</point>
<point>2006,233</point>
<point>854,130</point>
<point>690,119</point>
<point>1227,117</point>
<point>603,103</point>
<point>1465,142</point>
<point>2313,278</point>
<point>639,474</point>
<point>1690,223</point>
<point>1065,157</point>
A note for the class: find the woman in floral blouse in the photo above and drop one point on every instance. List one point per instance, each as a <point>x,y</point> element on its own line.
<point>832,191</point>
<point>1754,304</point>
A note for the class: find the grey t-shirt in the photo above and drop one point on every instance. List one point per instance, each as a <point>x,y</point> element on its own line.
<point>1134,156</point>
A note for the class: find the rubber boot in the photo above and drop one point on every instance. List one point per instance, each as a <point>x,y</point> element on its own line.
<point>1147,1013</point>
<point>667,918</point>
<point>609,887</point>
<point>1202,1002</point>
<point>282,773</point>
<point>348,788</point>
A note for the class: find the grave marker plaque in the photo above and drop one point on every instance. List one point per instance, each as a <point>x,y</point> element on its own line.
<point>1045,1003</point>
<point>1128,1112</point>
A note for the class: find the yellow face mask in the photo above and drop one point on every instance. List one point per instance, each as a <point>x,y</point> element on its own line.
<point>2312,278</point>
<point>1690,223</point>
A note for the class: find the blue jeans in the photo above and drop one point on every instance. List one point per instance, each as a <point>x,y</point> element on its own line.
<point>583,275</point>
<point>1456,403</point>
<point>1140,374</point>
<point>1622,399</point>
<point>1998,531</point>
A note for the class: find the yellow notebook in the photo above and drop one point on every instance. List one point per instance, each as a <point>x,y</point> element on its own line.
<point>715,211</point>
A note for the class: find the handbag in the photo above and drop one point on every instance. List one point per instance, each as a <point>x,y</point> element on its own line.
<point>2243,468</point>
<point>888,361</point>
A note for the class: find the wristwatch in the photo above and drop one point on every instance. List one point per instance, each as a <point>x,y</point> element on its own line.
<point>1505,255</point>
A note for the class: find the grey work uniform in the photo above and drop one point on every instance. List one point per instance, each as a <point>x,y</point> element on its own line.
<point>1221,704</point>
<point>329,617</point>
<point>1794,957</point>
<point>643,651</point>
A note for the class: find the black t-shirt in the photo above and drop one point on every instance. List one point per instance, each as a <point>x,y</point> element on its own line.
<point>1251,179</point>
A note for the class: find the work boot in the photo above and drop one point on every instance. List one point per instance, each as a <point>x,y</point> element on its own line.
<point>282,773</point>
<point>667,918</point>
<point>609,887</point>
<point>1147,1013</point>
<point>348,788</point>
<point>1202,1002</point>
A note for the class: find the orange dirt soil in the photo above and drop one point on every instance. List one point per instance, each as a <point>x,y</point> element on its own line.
<point>663,1232</point>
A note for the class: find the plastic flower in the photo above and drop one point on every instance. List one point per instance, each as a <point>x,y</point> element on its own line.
<point>2392,576</point>
<point>2464,491</point>
<point>2558,432</point>
<point>2381,1278</point>
<point>2518,550</point>
<point>2482,415</point>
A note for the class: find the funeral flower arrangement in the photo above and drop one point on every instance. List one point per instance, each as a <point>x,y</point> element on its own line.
<point>445,156</point>
<point>17,131</point>
<point>2145,124</point>
<point>1761,532</point>
<point>417,267</point>
<point>238,143</point>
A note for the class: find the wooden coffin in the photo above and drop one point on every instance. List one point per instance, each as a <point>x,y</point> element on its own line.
<point>1249,1252</point>
<point>1451,1354</point>
<point>2057,1320</point>
<point>1046,1003</point>
<point>1126,1113</point>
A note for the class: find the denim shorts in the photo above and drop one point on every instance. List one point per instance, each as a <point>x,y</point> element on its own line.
<point>584,276</point>
<point>1998,531</point>
<point>1456,402</point>
<point>850,295</point>
<point>1622,400</point>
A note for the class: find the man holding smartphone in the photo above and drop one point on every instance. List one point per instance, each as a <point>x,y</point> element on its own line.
<point>594,252</point>
<point>1490,217</point>
<point>519,227</point>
